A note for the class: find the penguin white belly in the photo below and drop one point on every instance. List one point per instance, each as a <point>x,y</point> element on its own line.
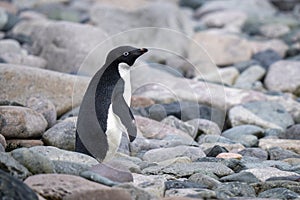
<point>125,74</point>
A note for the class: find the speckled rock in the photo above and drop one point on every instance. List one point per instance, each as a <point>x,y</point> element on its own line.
<point>265,173</point>
<point>279,193</point>
<point>283,143</point>
<point>19,143</point>
<point>234,189</point>
<point>21,122</point>
<point>206,180</point>
<point>62,186</point>
<point>62,135</point>
<point>19,85</point>
<point>154,184</point>
<point>158,155</point>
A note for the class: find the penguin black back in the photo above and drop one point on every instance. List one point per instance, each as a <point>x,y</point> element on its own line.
<point>104,113</point>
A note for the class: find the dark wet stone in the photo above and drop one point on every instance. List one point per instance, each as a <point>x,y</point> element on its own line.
<point>12,188</point>
<point>278,153</point>
<point>255,152</point>
<point>266,58</point>
<point>216,150</point>
<point>13,167</point>
<point>234,189</point>
<point>182,110</point>
<point>182,184</point>
<point>245,177</point>
<point>280,193</point>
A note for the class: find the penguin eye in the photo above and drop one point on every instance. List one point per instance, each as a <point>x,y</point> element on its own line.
<point>126,53</point>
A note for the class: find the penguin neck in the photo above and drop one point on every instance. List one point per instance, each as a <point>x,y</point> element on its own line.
<point>124,71</point>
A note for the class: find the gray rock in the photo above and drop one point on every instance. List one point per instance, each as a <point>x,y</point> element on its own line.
<point>55,42</point>
<point>265,173</point>
<point>93,176</point>
<point>13,167</point>
<point>33,81</point>
<point>13,188</point>
<point>20,122</point>
<point>10,46</point>
<point>282,76</point>
<point>277,153</point>
<point>266,58</point>
<point>261,113</point>
<point>62,135</point>
<point>231,147</point>
<point>137,192</point>
<point>204,126</point>
<point>242,66</point>
<point>234,189</point>
<point>191,192</point>
<point>214,139</point>
<point>34,162</point>
<point>158,155</point>
<point>255,152</point>
<point>45,107</point>
<point>264,186</point>
<point>132,164</point>
<point>292,132</point>
<point>3,141</point>
<point>274,30</point>
<point>276,45</point>
<point>245,177</point>
<point>177,123</point>
<point>27,60</point>
<point>209,182</point>
<point>186,169</point>
<point>248,77</point>
<point>175,184</point>
<point>216,150</point>
<point>283,143</point>
<point>244,134</point>
<point>280,193</point>
<point>3,18</point>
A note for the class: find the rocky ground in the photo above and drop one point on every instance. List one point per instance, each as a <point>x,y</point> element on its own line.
<point>206,131</point>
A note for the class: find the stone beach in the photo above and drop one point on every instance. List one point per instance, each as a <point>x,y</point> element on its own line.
<point>216,99</point>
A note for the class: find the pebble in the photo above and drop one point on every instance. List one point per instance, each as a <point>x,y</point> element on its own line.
<point>267,172</point>
<point>137,192</point>
<point>274,30</point>
<point>19,143</point>
<point>63,186</point>
<point>161,154</point>
<point>244,177</point>
<point>274,44</point>
<point>204,126</point>
<point>3,18</point>
<point>290,82</point>
<point>255,152</point>
<point>62,134</point>
<point>293,132</point>
<point>278,153</point>
<point>177,123</point>
<point>209,182</point>
<point>13,188</point>
<point>215,151</point>
<point>21,122</point>
<point>283,143</point>
<point>234,189</point>
<point>229,156</point>
<point>9,46</point>
<point>280,193</point>
<point>249,77</point>
<point>266,58</point>
<point>154,184</point>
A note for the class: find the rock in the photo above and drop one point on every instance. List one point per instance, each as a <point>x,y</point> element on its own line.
<point>234,189</point>
<point>55,154</point>
<point>128,163</point>
<point>283,143</point>
<point>177,123</point>
<point>3,18</point>
<point>9,46</point>
<point>180,67</point>
<point>267,57</point>
<point>244,134</point>
<point>137,192</point>
<point>227,19</point>
<point>230,147</point>
<point>216,43</point>
<point>27,60</point>
<point>187,169</point>
<point>172,161</point>
<point>279,193</point>
<point>3,141</point>
<point>255,152</point>
<point>274,30</point>
<point>13,167</point>
<point>56,42</point>
<point>267,172</point>
<point>13,188</point>
<point>151,15</point>
<point>290,82</point>
<point>285,6</point>
<point>194,192</point>
<point>261,113</point>
<point>20,122</point>
<point>138,101</point>
<point>72,113</point>
<point>277,153</point>
<point>62,186</point>
<point>293,132</point>
<point>249,76</point>
<point>204,126</point>
<point>45,107</point>
<point>214,139</point>
<point>62,135</point>
<point>229,156</point>
<point>34,162</point>
<point>263,186</point>
<point>93,176</point>
<point>226,76</point>
<point>33,81</point>
<point>274,44</point>
<point>158,155</point>
<point>153,184</point>
<point>194,4</point>
<point>208,181</point>
<point>19,143</point>
<point>242,66</point>
<point>175,184</point>
<point>216,150</point>
<point>112,173</point>
<point>244,177</point>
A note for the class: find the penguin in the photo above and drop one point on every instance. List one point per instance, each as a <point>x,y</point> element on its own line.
<point>105,112</point>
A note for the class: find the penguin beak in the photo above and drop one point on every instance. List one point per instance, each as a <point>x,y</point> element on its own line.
<point>143,50</point>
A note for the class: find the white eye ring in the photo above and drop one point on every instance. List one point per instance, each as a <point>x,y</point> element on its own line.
<point>125,53</point>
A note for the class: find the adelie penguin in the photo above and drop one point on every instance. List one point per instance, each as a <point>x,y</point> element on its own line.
<point>105,109</point>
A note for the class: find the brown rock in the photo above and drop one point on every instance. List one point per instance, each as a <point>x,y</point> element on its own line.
<point>62,186</point>
<point>108,171</point>
<point>230,156</point>
<point>18,143</point>
<point>20,122</point>
<point>19,85</point>
<point>138,101</point>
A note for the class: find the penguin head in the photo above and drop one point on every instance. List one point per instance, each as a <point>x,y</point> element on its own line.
<point>125,54</point>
